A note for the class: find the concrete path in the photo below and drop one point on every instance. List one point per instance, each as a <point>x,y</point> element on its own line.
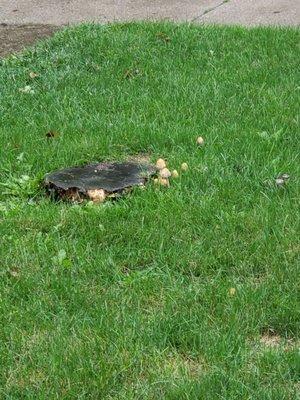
<point>61,12</point>
<point>22,22</point>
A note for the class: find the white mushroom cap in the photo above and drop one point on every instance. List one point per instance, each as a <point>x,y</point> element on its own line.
<point>285,176</point>
<point>279,181</point>
<point>165,173</point>
<point>200,141</point>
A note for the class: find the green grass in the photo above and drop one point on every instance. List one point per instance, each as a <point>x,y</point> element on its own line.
<point>130,299</point>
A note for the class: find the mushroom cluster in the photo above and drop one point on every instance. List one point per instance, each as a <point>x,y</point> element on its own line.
<point>164,174</point>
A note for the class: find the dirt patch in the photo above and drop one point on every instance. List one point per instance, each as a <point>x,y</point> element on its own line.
<point>14,38</point>
<point>271,339</point>
<point>179,365</point>
<point>143,158</point>
<point>268,340</point>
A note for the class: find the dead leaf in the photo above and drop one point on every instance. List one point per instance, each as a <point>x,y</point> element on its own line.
<point>131,73</point>
<point>164,37</point>
<point>33,75</point>
<point>73,195</point>
<point>20,157</point>
<point>14,272</point>
<point>52,134</point>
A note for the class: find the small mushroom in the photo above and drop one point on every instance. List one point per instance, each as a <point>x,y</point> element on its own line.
<point>160,164</point>
<point>200,141</point>
<point>281,180</point>
<point>26,89</point>
<point>156,181</point>
<point>175,174</point>
<point>165,173</point>
<point>97,195</point>
<point>184,166</point>
<point>285,177</point>
<point>164,182</point>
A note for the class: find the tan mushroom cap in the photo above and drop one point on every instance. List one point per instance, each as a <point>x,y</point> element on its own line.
<point>97,195</point>
<point>175,173</point>
<point>161,164</point>
<point>164,182</point>
<point>184,166</point>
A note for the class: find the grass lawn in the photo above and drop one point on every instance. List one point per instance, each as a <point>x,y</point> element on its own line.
<point>181,293</point>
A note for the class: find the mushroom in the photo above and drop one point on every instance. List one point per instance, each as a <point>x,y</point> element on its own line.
<point>184,166</point>
<point>97,195</point>
<point>164,182</point>
<point>200,141</point>
<point>281,180</point>
<point>165,173</point>
<point>285,177</point>
<point>175,174</point>
<point>160,164</point>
